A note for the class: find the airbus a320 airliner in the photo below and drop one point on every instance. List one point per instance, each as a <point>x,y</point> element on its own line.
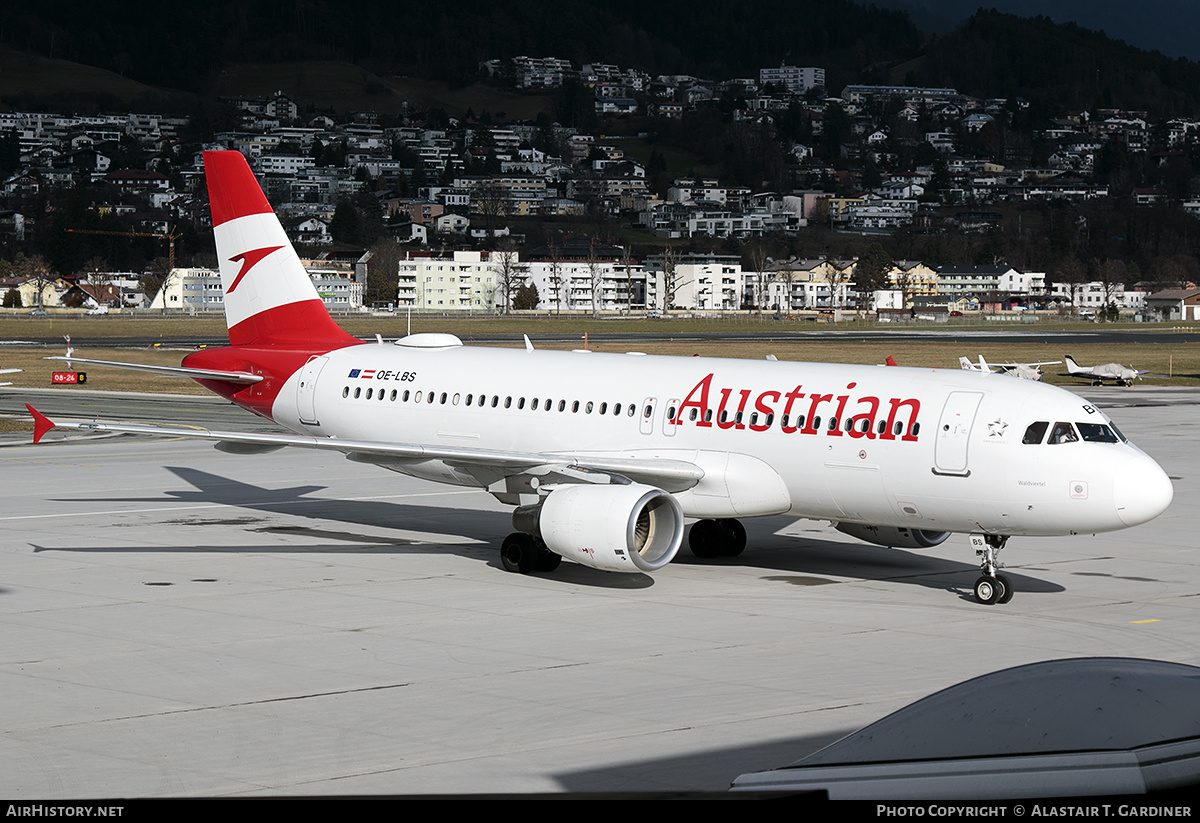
<point>605,455</point>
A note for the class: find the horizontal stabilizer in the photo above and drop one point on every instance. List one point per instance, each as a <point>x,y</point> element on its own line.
<point>170,371</point>
<point>41,423</point>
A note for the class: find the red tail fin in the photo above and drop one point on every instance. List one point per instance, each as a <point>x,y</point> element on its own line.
<point>269,298</point>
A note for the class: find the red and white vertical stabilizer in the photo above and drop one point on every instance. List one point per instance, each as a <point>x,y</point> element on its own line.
<point>269,298</point>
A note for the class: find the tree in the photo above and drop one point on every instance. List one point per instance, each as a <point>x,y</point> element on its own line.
<point>672,278</point>
<point>627,265</point>
<point>595,277</point>
<point>1070,273</point>
<point>526,298</point>
<point>758,259</point>
<point>489,200</point>
<point>510,274</point>
<point>12,299</point>
<point>870,275</point>
<point>346,225</point>
<point>556,280</point>
<point>383,272</point>
<point>36,268</point>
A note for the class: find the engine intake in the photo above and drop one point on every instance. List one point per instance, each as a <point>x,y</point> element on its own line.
<point>897,537</point>
<point>626,528</point>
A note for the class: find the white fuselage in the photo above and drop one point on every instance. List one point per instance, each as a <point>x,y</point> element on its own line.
<point>920,448</point>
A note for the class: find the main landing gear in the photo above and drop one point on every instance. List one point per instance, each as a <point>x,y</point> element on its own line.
<point>526,554</point>
<point>717,538</point>
<point>991,588</point>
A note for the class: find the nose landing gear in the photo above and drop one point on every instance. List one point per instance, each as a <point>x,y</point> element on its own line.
<point>991,588</point>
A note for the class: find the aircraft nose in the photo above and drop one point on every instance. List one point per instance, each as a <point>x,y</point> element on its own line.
<point>1142,491</point>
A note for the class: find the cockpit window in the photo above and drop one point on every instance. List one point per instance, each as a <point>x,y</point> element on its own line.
<point>1035,433</point>
<point>1118,432</point>
<point>1062,433</point>
<point>1096,433</point>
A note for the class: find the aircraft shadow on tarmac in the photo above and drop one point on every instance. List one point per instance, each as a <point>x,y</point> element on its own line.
<point>801,561</point>
<point>814,560</point>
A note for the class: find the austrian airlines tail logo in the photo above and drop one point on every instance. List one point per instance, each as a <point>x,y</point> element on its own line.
<point>249,260</point>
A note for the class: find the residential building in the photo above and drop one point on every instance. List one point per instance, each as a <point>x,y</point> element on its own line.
<point>459,281</point>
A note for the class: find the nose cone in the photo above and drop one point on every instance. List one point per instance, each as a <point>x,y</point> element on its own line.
<point>1142,491</point>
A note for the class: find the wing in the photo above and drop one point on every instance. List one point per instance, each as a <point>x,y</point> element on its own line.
<point>667,474</point>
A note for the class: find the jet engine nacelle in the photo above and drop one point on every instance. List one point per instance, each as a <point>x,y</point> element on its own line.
<point>626,528</point>
<point>896,537</point>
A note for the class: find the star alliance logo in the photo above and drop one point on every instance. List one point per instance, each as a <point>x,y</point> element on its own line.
<point>996,428</point>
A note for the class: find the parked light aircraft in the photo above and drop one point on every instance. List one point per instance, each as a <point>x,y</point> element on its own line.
<point>1124,375</point>
<point>1026,371</point>
<point>604,455</point>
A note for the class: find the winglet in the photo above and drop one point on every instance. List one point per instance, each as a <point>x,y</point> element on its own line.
<point>41,423</point>
<point>891,361</point>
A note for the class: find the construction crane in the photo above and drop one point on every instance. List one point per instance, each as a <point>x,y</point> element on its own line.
<point>170,235</point>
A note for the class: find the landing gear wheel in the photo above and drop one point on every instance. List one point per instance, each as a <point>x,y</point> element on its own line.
<point>988,590</point>
<point>1008,588</point>
<point>735,537</point>
<point>519,553</point>
<point>706,538</point>
<point>547,560</point>
<point>992,587</point>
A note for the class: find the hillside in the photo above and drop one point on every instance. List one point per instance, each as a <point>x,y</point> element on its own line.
<point>1060,65</point>
<point>30,80</point>
<point>342,87</point>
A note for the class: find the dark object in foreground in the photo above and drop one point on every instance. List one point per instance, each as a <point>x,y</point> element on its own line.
<point>1085,726</point>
